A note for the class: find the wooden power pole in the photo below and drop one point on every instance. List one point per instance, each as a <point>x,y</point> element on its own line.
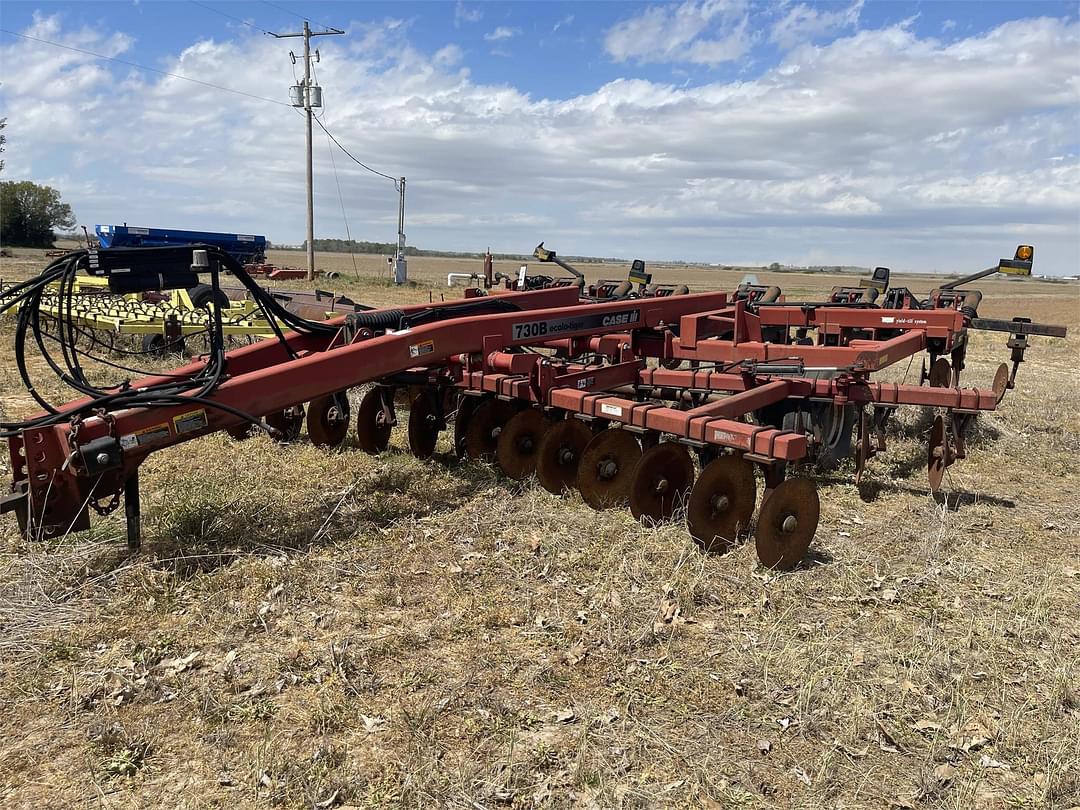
<point>308,95</point>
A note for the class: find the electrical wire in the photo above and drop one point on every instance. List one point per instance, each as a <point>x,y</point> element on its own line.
<point>231,17</point>
<point>341,199</point>
<point>297,15</point>
<point>144,67</point>
<point>355,160</point>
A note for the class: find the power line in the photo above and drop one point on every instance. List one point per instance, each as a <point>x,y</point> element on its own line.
<point>231,17</point>
<point>360,163</point>
<point>341,199</point>
<point>295,14</point>
<point>144,67</point>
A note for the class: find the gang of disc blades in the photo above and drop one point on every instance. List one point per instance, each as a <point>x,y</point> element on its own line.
<point>485,425</point>
<point>328,419</point>
<point>559,453</point>
<point>519,442</point>
<point>372,426</point>
<point>423,426</point>
<point>607,468</point>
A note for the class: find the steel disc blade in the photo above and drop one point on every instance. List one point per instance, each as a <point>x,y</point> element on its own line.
<point>940,373</point>
<point>721,503</point>
<point>558,455</point>
<point>786,524</point>
<point>519,443</point>
<point>1001,381</point>
<point>328,419</point>
<point>607,468</point>
<point>287,422</point>
<point>465,407</point>
<point>372,426</point>
<point>661,480</point>
<point>936,451</point>
<point>423,426</point>
<point>485,425</point>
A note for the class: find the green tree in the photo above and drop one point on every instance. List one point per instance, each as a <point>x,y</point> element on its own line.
<point>3,140</point>
<point>29,212</point>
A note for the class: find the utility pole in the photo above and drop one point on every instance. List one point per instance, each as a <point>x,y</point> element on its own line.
<point>307,96</point>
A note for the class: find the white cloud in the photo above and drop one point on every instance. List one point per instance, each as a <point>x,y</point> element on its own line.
<point>501,33</point>
<point>802,23</point>
<point>466,15</point>
<point>563,23</point>
<point>879,148</point>
<point>708,32</point>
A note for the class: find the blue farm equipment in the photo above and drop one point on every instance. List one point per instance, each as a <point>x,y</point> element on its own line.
<point>242,247</point>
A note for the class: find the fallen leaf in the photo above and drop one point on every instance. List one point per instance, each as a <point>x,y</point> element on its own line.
<point>373,725</point>
<point>764,746</point>
<point>858,658</point>
<point>945,773</point>
<point>565,716</point>
<point>927,725</point>
<point>577,653</point>
<point>987,761</point>
<point>802,775</point>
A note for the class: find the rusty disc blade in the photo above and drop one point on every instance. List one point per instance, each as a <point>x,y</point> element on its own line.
<point>661,480</point>
<point>465,407</point>
<point>1001,381</point>
<point>519,443</point>
<point>936,450</point>
<point>372,425</point>
<point>721,503</point>
<point>423,426</point>
<point>786,524</point>
<point>940,373</point>
<point>607,468</point>
<point>328,419</point>
<point>287,422</point>
<point>558,455</point>
<point>485,425</point>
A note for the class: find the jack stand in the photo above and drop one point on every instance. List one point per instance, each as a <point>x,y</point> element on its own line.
<point>133,512</point>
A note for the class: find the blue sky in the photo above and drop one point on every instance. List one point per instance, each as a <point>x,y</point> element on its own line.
<point>907,133</point>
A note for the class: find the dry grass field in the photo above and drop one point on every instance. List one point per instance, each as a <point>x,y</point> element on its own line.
<point>312,629</point>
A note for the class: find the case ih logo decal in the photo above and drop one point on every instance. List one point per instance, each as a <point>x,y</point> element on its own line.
<point>557,326</point>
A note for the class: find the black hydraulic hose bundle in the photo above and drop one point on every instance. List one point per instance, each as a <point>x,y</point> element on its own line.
<point>61,275</point>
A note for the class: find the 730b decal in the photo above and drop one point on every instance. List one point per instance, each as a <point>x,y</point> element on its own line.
<point>529,330</point>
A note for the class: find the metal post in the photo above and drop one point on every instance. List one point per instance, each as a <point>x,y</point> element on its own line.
<point>133,512</point>
<point>401,271</point>
<point>310,191</point>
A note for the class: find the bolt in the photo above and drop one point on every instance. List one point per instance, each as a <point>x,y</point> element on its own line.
<point>566,455</point>
<point>789,524</point>
<point>720,503</point>
<point>607,469</point>
<point>526,444</point>
<point>102,458</point>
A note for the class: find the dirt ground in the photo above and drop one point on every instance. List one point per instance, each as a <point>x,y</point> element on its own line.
<point>320,629</point>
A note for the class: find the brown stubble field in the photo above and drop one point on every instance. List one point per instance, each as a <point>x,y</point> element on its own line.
<point>327,629</point>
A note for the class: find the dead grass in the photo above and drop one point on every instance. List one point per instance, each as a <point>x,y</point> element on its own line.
<point>313,629</point>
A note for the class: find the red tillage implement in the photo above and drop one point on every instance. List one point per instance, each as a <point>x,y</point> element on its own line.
<point>656,399</point>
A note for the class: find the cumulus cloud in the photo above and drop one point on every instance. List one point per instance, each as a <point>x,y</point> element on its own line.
<point>501,33</point>
<point>708,32</point>
<point>878,148</point>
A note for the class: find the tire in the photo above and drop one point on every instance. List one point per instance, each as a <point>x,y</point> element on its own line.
<point>202,295</point>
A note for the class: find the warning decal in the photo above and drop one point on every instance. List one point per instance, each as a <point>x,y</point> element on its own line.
<point>154,433</point>
<point>187,422</point>
<point>420,349</point>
